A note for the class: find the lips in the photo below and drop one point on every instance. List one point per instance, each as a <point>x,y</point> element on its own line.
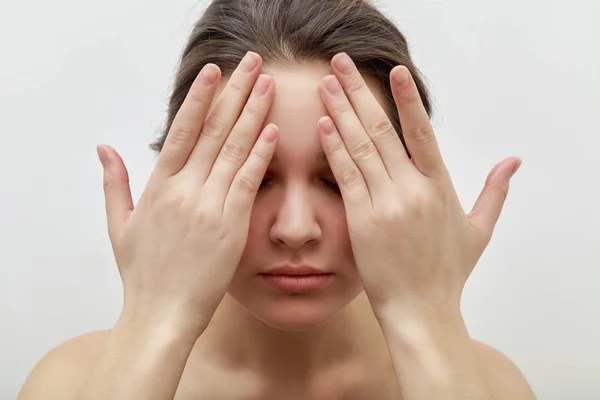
<point>295,270</point>
<point>298,284</point>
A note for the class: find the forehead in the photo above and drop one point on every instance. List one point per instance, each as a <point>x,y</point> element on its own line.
<point>298,106</point>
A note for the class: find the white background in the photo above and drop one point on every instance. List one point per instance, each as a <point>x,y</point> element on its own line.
<point>509,78</point>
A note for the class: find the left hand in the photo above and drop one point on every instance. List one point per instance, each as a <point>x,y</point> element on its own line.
<point>413,244</point>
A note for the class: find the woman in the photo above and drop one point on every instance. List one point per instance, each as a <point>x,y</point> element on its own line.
<point>300,237</point>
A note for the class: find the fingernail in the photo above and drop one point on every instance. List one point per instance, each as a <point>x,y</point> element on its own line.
<point>208,76</point>
<point>345,64</point>
<point>402,78</point>
<point>270,133</point>
<point>516,168</point>
<point>102,155</point>
<point>327,126</point>
<point>249,62</point>
<point>262,85</point>
<point>333,86</point>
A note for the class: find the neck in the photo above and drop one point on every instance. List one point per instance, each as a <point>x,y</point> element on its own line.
<point>236,340</point>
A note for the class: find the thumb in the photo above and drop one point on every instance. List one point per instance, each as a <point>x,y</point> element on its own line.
<point>487,208</point>
<point>117,193</point>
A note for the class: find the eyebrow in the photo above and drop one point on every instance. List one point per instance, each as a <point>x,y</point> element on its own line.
<point>320,158</point>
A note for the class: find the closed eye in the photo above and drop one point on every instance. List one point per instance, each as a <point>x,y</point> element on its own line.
<point>331,186</point>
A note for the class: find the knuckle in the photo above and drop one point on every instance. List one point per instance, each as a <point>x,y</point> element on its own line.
<point>382,129</point>
<point>417,207</point>
<point>203,214</point>
<point>351,177</point>
<point>502,191</point>
<point>232,151</point>
<point>344,110</point>
<point>196,94</point>
<point>246,183</point>
<point>213,127</point>
<point>364,150</point>
<point>408,98</point>
<point>174,201</point>
<point>252,110</point>
<point>107,186</point>
<point>355,86</point>
<point>262,153</point>
<point>392,212</point>
<point>424,203</point>
<point>114,184</point>
<point>418,199</point>
<point>237,85</point>
<point>166,198</point>
<point>422,135</point>
<point>334,147</point>
<point>179,133</point>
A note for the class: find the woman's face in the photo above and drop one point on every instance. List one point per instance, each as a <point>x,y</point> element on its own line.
<point>298,216</point>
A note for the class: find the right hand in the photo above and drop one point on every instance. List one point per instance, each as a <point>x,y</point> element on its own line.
<point>178,250</point>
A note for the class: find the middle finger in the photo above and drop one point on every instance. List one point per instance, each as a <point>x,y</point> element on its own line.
<point>360,146</point>
<point>242,138</point>
<point>223,116</point>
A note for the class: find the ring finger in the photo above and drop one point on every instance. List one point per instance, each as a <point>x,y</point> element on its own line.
<point>360,146</point>
<point>242,138</point>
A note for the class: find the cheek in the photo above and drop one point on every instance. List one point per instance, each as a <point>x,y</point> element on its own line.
<point>259,222</point>
<point>334,225</point>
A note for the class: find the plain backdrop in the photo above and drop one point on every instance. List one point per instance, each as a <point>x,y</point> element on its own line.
<point>510,78</point>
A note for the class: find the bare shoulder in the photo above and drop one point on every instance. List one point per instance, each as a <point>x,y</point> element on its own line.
<point>505,379</point>
<point>61,372</point>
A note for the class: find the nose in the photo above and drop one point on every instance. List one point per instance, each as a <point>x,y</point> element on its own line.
<point>296,222</point>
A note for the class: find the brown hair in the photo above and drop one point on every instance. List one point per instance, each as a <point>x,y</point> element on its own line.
<point>290,32</point>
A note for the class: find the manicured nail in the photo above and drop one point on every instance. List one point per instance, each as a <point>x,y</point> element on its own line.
<point>402,78</point>
<point>333,86</point>
<point>249,62</point>
<point>327,126</point>
<point>262,85</point>
<point>345,64</point>
<point>270,133</point>
<point>208,75</point>
<point>516,168</point>
<point>102,155</point>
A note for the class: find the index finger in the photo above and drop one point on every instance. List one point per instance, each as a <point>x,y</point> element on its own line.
<point>372,116</point>
<point>187,124</point>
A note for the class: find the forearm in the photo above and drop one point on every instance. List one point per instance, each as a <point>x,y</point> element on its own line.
<point>142,360</point>
<point>434,359</point>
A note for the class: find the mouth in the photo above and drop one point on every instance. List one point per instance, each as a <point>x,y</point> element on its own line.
<point>298,283</point>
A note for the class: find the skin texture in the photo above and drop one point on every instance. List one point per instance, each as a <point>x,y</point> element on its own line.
<point>402,338</point>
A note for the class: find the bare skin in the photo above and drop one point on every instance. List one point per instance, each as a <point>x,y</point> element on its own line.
<point>255,343</point>
<point>368,374</point>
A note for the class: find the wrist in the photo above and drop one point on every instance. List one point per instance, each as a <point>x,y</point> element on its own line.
<point>169,323</point>
<point>433,328</point>
<point>434,352</point>
<point>419,315</point>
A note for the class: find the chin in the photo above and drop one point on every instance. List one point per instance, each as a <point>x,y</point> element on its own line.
<point>296,312</point>
<point>296,315</point>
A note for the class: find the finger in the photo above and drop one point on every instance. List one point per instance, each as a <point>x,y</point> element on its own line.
<point>416,127</point>
<point>240,141</point>
<point>371,114</point>
<point>222,117</point>
<point>348,176</point>
<point>489,204</point>
<point>240,198</point>
<point>186,126</point>
<point>359,145</point>
<point>117,194</point>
